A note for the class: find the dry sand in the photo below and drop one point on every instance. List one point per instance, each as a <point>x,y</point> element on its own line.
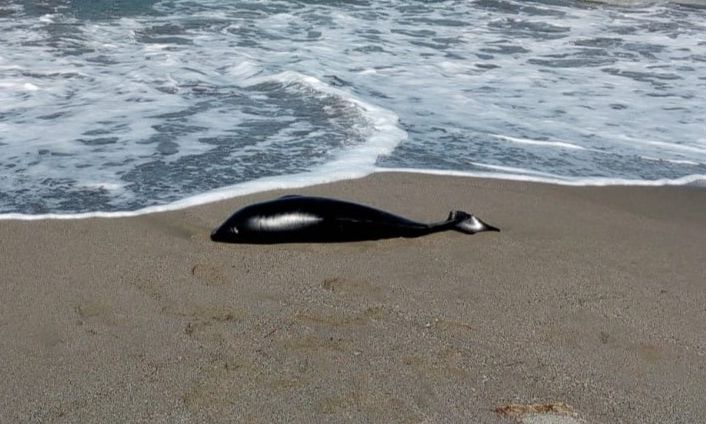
<point>592,298</point>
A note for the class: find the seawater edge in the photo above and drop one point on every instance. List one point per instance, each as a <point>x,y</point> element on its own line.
<point>312,179</point>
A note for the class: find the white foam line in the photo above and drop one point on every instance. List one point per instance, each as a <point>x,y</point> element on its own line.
<point>538,142</point>
<point>47,19</point>
<point>256,186</point>
<point>558,180</point>
<point>677,161</point>
<point>355,163</point>
<point>675,146</point>
<point>15,85</point>
<point>323,177</point>
<point>386,135</point>
<point>512,170</point>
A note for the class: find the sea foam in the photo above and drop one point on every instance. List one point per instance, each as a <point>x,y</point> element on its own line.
<point>157,105</point>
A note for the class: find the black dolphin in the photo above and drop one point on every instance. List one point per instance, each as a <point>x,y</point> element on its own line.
<point>299,219</point>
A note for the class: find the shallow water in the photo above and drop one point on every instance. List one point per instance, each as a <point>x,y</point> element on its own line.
<point>121,105</point>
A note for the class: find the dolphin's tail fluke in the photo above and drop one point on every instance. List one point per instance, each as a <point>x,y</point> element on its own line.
<point>469,224</point>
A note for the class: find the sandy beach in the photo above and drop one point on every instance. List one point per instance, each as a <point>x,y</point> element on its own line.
<point>592,297</point>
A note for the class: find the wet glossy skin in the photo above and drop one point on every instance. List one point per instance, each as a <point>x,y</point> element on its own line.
<point>293,219</point>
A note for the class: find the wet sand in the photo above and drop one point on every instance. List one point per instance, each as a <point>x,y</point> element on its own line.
<point>592,298</point>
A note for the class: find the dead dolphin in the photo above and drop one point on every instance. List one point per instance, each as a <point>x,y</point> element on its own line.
<point>303,219</point>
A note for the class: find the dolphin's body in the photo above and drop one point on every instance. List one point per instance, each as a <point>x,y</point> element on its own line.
<point>300,219</point>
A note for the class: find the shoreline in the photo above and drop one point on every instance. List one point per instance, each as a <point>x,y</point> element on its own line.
<point>272,184</point>
<point>590,297</point>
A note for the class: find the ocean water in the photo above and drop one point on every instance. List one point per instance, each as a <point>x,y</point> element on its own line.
<point>118,107</point>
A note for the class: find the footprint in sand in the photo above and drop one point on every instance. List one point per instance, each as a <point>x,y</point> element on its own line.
<point>94,312</point>
<point>209,274</point>
<point>351,287</point>
<point>540,413</point>
<point>208,320</point>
